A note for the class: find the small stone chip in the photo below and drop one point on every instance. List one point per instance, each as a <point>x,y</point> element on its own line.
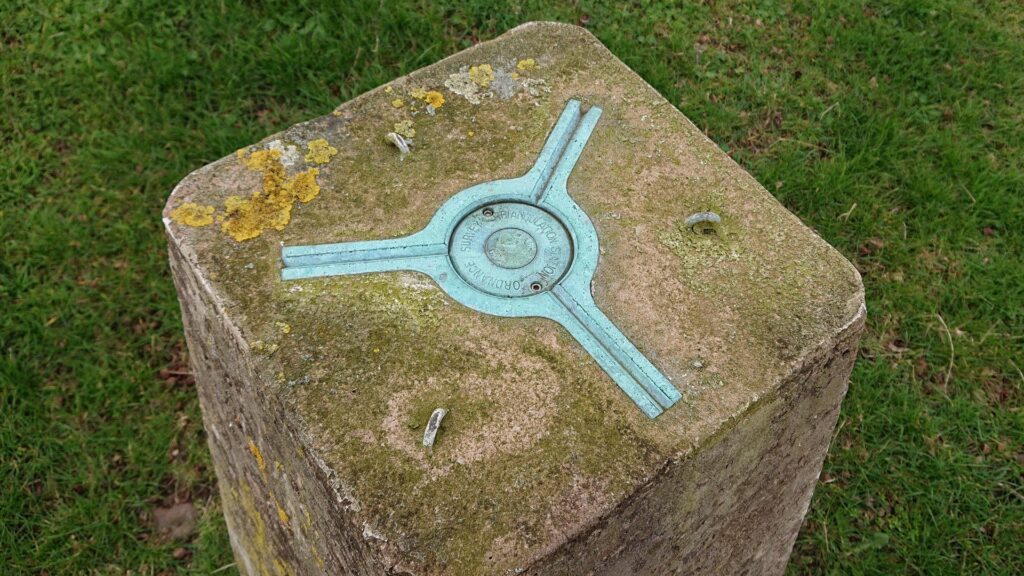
<point>432,427</point>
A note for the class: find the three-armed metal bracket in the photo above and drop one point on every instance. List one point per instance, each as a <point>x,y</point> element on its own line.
<point>519,247</point>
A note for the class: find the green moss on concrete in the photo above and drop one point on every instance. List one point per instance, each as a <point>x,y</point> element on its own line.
<point>379,323</point>
<point>771,291</point>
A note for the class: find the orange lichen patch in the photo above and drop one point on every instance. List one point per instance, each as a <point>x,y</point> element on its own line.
<point>434,98</point>
<point>271,207</point>
<point>526,65</point>
<point>481,75</point>
<point>192,214</point>
<point>255,451</point>
<point>320,151</point>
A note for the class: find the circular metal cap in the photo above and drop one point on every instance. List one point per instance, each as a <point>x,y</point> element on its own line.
<point>510,249</point>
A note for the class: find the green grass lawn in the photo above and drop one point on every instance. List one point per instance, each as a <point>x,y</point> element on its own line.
<point>895,129</point>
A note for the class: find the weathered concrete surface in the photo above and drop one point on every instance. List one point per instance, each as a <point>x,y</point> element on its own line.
<point>315,393</point>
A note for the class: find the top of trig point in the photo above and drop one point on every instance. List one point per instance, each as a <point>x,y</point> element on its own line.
<point>719,288</point>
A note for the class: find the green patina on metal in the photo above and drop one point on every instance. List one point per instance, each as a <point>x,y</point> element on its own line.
<point>516,248</point>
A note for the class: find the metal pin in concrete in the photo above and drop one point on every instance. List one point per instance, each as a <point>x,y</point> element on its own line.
<point>702,217</point>
<point>433,424</point>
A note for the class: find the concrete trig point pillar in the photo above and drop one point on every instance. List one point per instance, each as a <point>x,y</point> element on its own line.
<point>641,354</point>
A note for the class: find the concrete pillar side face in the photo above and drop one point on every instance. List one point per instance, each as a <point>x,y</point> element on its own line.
<point>315,392</point>
<point>281,510</point>
<point>735,506</point>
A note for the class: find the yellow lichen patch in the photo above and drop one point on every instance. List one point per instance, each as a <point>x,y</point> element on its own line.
<point>434,98</point>
<point>192,214</point>
<point>282,515</point>
<point>271,207</point>
<point>419,93</point>
<point>255,451</point>
<point>481,75</point>
<point>261,347</point>
<point>526,65</point>
<point>319,151</point>
<point>388,89</point>
<point>405,129</point>
<point>398,102</point>
<point>246,219</point>
<point>303,185</point>
<point>285,328</point>
<point>256,531</point>
<point>282,568</point>
<point>260,160</point>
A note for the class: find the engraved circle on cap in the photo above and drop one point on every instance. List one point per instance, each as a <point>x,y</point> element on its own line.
<point>510,248</point>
